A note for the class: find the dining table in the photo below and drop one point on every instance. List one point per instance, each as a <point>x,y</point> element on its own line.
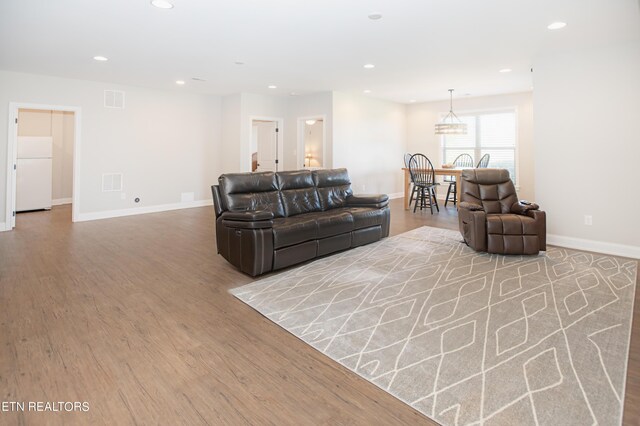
<point>443,171</point>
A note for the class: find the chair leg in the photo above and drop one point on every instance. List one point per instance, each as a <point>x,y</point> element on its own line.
<point>455,193</point>
<point>430,200</point>
<point>446,200</point>
<point>413,191</point>
<point>435,199</point>
<point>415,205</point>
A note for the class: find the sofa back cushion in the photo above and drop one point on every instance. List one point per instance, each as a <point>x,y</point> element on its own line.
<point>298,192</point>
<point>334,186</point>
<point>491,188</point>
<point>251,191</point>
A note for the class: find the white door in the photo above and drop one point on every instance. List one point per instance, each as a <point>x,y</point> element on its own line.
<point>267,145</point>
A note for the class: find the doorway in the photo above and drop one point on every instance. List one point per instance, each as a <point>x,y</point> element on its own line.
<point>266,144</point>
<point>42,153</point>
<point>311,142</point>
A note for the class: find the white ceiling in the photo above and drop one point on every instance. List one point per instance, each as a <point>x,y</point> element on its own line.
<point>420,47</point>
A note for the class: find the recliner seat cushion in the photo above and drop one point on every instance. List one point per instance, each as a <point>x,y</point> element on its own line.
<point>294,230</point>
<point>364,217</point>
<point>511,224</point>
<point>511,234</point>
<point>333,223</point>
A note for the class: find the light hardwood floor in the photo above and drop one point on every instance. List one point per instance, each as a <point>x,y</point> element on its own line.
<point>133,315</point>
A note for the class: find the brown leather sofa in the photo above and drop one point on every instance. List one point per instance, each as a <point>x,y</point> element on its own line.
<point>492,219</point>
<point>267,221</point>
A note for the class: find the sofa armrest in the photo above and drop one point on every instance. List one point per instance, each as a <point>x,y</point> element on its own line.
<point>247,215</point>
<point>368,200</point>
<point>541,224</point>
<point>470,206</point>
<point>251,219</point>
<point>523,209</point>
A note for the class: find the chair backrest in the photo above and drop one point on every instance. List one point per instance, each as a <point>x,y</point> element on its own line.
<point>463,161</point>
<point>484,162</point>
<point>491,188</point>
<point>407,157</point>
<point>421,170</point>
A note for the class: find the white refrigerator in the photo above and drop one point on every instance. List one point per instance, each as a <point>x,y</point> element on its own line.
<point>34,173</point>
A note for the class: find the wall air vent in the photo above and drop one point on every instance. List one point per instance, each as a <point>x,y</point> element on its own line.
<point>113,99</point>
<point>111,182</point>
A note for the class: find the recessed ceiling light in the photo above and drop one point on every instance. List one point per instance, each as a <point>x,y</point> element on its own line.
<point>375,16</point>
<point>366,91</point>
<point>293,94</point>
<point>556,25</point>
<point>413,101</point>
<point>100,58</point>
<point>271,86</point>
<point>505,70</point>
<point>369,66</point>
<point>239,63</point>
<point>180,82</point>
<point>162,4</point>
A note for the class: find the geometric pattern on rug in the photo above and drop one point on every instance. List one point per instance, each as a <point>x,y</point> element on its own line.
<point>467,338</point>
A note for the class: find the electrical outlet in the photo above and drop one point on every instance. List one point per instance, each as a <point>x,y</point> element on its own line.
<point>588,219</point>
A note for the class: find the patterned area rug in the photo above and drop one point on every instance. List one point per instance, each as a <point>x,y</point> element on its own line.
<point>464,337</point>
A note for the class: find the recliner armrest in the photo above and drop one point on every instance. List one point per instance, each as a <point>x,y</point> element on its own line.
<point>470,206</point>
<point>368,200</point>
<point>523,209</point>
<point>247,219</point>
<point>247,215</point>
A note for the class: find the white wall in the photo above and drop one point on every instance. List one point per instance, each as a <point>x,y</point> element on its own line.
<point>421,120</point>
<point>369,139</point>
<point>231,129</point>
<point>164,142</point>
<point>58,125</point>
<point>587,109</point>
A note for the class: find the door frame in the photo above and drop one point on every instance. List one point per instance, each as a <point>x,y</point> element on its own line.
<point>12,154</point>
<point>300,144</point>
<point>279,145</point>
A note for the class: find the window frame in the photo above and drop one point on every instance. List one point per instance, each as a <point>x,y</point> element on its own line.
<point>477,149</point>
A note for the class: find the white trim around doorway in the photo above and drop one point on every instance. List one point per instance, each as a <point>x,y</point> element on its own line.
<point>12,152</point>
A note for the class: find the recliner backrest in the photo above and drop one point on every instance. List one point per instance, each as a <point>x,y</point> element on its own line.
<point>491,188</point>
<point>334,186</point>
<point>251,191</point>
<point>298,192</point>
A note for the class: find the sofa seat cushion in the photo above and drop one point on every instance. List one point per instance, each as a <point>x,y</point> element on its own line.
<point>332,223</point>
<point>288,231</point>
<point>364,217</point>
<point>511,224</point>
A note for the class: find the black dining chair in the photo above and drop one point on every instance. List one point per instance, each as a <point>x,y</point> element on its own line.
<point>461,161</point>
<point>484,162</point>
<point>407,158</point>
<point>423,178</point>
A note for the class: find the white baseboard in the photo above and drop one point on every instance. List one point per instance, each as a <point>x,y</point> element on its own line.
<point>61,201</point>
<point>595,246</point>
<point>83,217</point>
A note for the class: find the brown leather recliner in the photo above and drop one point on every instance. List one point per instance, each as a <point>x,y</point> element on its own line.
<point>268,221</point>
<point>492,219</point>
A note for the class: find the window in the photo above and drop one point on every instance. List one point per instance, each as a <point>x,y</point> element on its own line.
<point>492,133</point>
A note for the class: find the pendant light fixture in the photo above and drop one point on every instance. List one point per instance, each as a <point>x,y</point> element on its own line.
<point>451,124</point>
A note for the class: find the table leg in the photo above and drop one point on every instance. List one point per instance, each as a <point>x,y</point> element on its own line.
<point>406,189</point>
